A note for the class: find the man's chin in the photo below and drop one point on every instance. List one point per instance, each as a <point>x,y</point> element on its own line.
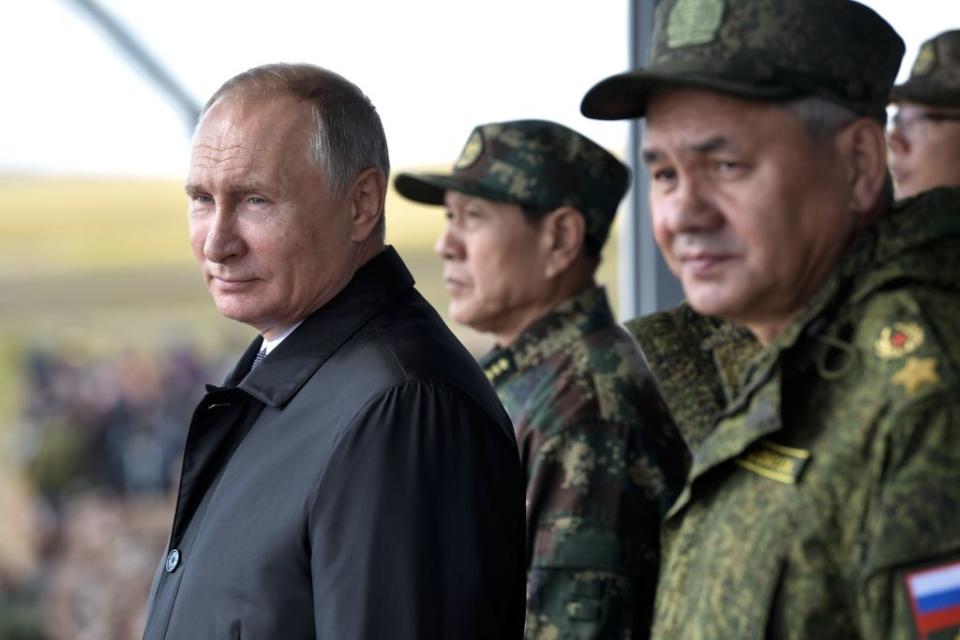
<point>458,315</point>
<point>709,303</point>
<point>229,308</point>
<point>465,317</point>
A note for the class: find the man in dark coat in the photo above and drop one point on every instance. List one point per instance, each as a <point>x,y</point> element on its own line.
<point>355,477</point>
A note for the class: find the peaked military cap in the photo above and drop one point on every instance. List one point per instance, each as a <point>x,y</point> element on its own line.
<point>532,163</point>
<point>935,76</point>
<point>762,49</point>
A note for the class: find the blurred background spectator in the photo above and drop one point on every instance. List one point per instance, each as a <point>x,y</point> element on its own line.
<point>99,441</point>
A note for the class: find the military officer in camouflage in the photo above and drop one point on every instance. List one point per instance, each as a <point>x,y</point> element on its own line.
<point>815,369</point>
<point>924,141</point>
<point>529,205</point>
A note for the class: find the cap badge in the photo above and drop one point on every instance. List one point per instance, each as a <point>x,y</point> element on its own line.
<point>694,22</point>
<point>898,340</point>
<point>471,152</point>
<point>926,60</point>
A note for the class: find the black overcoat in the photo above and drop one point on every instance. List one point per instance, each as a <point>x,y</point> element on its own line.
<point>362,483</point>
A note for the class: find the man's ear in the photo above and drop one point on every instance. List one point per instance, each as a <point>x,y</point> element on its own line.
<point>864,148</point>
<point>564,232</point>
<point>366,200</point>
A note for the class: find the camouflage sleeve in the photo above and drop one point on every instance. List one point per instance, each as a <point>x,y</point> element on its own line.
<point>595,497</point>
<point>908,550</point>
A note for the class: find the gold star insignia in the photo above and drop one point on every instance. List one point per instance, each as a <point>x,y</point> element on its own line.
<point>915,373</point>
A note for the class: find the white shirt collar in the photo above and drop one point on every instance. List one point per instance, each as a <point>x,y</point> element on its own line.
<point>270,345</point>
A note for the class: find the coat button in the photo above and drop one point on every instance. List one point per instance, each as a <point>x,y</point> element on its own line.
<point>173,560</point>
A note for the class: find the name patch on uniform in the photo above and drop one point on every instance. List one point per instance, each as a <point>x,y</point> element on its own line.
<point>774,461</point>
<point>935,599</point>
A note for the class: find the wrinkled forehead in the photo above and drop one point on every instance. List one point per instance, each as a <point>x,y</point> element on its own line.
<point>255,123</point>
<point>704,120</point>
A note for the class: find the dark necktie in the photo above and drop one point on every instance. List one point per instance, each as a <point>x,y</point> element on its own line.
<point>258,359</point>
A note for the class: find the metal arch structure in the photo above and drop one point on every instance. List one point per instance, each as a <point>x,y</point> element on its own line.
<point>645,284</point>
<point>149,64</point>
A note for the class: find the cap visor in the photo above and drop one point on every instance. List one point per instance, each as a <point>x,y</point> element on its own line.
<point>425,188</point>
<point>429,188</point>
<point>923,93</point>
<point>625,95</point>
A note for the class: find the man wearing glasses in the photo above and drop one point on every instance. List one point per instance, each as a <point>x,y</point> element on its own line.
<point>924,139</point>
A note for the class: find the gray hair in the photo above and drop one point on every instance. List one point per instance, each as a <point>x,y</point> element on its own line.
<point>820,116</point>
<point>348,136</point>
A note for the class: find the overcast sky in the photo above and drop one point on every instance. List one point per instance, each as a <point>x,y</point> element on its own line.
<point>73,104</point>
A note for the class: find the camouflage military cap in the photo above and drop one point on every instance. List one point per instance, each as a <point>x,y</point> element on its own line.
<point>761,49</point>
<point>935,76</point>
<point>532,163</point>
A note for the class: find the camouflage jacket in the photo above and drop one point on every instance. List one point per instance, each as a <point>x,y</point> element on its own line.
<point>824,496</point>
<point>603,463</point>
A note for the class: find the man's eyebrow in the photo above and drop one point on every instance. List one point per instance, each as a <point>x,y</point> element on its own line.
<point>709,145</point>
<point>651,155</point>
<point>247,186</point>
<point>716,143</point>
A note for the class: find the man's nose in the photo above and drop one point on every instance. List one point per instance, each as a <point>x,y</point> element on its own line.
<point>896,141</point>
<point>223,240</point>
<point>449,245</point>
<point>689,209</point>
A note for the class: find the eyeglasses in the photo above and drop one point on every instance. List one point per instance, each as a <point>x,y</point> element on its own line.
<point>905,122</point>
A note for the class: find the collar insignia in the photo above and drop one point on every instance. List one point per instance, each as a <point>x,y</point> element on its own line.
<point>499,367</point>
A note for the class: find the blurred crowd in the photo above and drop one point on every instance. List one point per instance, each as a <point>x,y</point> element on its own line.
<point>88,497</point>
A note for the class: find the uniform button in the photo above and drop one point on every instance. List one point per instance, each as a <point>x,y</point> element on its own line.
<point>173,560</point>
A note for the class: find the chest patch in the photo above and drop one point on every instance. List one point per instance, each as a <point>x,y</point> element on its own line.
<point>898,340</point>
<point>935,600</point>
<point>774,461</point>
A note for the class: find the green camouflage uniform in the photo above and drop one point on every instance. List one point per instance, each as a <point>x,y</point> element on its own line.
<point>823,501</point>
<point>602,459</point>
<point>826,469</point>
<point>603,465</point>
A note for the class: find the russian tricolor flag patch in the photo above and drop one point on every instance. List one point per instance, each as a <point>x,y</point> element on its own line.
<point>935,598</point>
